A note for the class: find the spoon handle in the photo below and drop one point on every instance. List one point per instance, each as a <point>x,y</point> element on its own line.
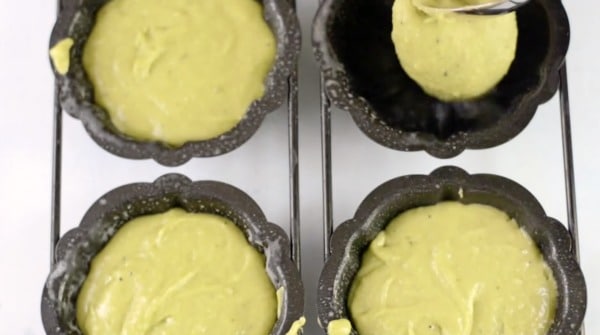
<point>491,8</point>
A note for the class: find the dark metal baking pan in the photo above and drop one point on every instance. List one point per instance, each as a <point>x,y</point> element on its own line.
<point>362,75</point>
<point>352,237</point>
<point>76,93</point>
<point>77,247</point>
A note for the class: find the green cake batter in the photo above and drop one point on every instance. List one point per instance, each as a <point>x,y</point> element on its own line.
<point>177,273</point>
<point>60,55</point>
<point>177,70</point>
<point>453,57</point>
<point>452,269</point>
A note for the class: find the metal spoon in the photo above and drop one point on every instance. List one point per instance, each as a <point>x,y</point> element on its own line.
<point>494,7</point>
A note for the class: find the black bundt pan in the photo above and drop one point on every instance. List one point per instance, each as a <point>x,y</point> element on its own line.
<point>76,93</point>
<point>352,237</point>
<point>77,248</point>
<point>352,42</point>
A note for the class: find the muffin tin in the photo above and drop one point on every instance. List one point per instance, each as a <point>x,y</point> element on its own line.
<point>76,249</point>
<point>362,75</point>
<point>75,92</point>
<point>388,200</point>
<point>58,252</point>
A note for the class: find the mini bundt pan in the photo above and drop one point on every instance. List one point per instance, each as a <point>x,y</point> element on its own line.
<point>76,93</point>
<point>362,75</point>
<point>77,248</point>
<point>387,201</point>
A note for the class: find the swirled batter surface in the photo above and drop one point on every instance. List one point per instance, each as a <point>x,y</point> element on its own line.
<point>177,70</point>
<point>177,273</point>
<point>453,269</point>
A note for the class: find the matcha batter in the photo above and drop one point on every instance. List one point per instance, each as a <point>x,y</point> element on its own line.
<point>61,55</point>
<point>452,56</point>
<point>296,328</point>
<point>177,273</point>
<point>176,70</point>
<point>453,269</point>
<point>339,327</point>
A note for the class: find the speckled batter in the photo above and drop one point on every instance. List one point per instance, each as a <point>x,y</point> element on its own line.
<point>453,269</point>
<point>452,56</point>
<point>177,70</point>
<point>177,273</point>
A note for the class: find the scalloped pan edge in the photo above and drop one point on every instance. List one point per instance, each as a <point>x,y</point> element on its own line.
<point>451,183</point>
<point>76,92</point>
<point>77,247</point>
<point>342,93</point>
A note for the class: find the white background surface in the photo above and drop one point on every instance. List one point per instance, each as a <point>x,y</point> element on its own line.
<point>260,166</point>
